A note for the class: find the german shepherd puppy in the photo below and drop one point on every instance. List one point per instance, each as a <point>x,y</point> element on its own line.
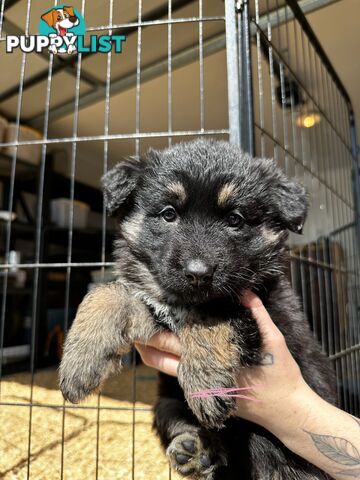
<point>198,223</point>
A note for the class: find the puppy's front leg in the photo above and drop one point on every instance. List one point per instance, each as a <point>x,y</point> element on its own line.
<point>213,350</point>
<point>209,359</point>
<point>192,450</point>
<point>107,323</point>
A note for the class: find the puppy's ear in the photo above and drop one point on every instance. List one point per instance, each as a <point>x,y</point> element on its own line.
<point>49,18</point>
<point>291,204</point>
<point>70,11</point>
<point>119,183</point>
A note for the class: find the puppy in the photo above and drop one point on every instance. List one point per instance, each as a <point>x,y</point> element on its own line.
<point>198,223</point>
<point>61,19</point>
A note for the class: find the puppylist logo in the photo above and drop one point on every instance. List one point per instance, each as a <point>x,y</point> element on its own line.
<point>62,30</point>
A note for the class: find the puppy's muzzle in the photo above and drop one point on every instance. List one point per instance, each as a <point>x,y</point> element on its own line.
<point>198,273</point>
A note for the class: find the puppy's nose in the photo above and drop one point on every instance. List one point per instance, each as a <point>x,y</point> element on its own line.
<point>73,19</point>
<point>198,272</point>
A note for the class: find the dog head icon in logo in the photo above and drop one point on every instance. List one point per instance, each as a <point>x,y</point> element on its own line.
<point>63,24</point>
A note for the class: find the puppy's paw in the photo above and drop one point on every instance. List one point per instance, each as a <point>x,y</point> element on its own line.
<point>197,454</point>
<point>212,412</point>
<point>78,377</point>
<point>71,49</point>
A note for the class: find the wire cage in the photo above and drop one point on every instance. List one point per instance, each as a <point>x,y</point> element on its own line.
<point>252,72</point>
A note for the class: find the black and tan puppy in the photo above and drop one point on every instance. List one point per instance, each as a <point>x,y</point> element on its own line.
<point>199,222</point>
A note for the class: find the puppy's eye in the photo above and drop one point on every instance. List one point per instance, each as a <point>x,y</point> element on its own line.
<point>169,214</point>
<point>234,219</point>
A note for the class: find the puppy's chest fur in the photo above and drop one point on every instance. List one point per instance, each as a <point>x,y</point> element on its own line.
<point>171,316</point>
<point>177,317</point>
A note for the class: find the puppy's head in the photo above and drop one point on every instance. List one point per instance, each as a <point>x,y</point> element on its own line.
<point>204,219</point>
<point>64,17</point>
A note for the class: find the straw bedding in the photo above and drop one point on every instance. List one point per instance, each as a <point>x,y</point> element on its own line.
<point>115,432</point>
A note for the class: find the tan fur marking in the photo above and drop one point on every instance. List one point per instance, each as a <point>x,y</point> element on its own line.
<point>270,235</point>
<point>106,325</point>
<point>213,339</point>
<point>179,190</point>
<point>131,228</point>
<point>101,306</point>
<point>209,359</point>
<point>227,191</point>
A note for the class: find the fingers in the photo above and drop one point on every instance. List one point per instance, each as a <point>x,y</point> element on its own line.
<point>162,352</point>
<point>259,312</point>
<point>163,361</point>
<point>166,342</point>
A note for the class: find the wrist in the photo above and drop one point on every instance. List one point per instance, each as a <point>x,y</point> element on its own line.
<point>295,414</point>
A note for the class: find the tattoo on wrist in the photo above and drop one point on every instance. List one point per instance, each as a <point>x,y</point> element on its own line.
<point>267,358</point>
<point>340,451</point>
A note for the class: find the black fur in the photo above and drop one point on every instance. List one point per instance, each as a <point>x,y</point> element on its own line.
<point>151,256</point>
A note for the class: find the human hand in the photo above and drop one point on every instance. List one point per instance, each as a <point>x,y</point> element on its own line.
<point>278,381</point>
<point>162,352</point>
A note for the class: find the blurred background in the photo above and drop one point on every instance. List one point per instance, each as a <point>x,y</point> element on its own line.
<point>281,78</point>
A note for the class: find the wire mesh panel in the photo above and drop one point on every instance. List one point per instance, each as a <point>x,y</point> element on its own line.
<point>302,118</point>
<point>89,111</point>
<point>249,71</point>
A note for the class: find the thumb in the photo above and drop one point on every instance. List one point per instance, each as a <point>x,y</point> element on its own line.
<point>266,326</point>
